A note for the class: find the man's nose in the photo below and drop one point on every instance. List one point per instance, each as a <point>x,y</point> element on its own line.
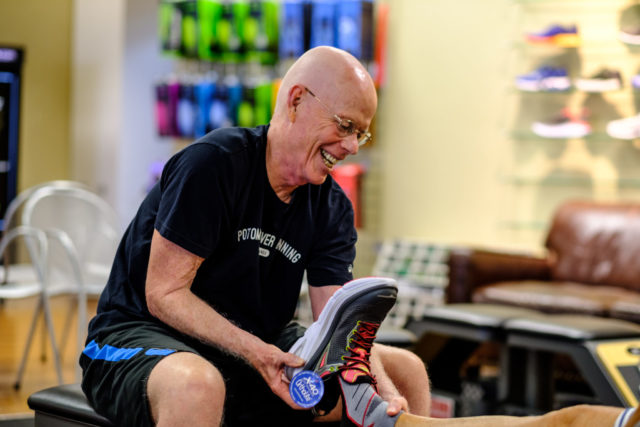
<point>350,143</point>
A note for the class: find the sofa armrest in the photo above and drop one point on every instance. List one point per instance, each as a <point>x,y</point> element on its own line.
<point>471,268</point>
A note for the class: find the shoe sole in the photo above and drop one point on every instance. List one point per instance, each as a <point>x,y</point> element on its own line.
<point>322,330</point>
<point>629,38</point>
<point>620,132</point>
<point>573,130</point>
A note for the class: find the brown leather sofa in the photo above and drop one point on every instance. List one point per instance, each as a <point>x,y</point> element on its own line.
<point>592,266</point>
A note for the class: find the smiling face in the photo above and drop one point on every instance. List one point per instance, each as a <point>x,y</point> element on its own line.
<point>329,135</point>
<point>325,104</point>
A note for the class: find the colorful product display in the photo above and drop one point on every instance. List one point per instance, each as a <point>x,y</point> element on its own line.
<point>264,31</point>
<point>355,28</point>
<point>293,35</point>
<point>323,23</point>
<point>191,106</point>
<point>220,30</point>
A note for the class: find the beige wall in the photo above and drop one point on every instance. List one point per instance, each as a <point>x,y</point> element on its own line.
<point>449,168</point>
<point>43,29</point>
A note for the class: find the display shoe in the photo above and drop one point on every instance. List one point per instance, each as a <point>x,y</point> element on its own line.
<point>563,125</point>
<point>627,128</point>
<point>557,35</point>
<point>341,339</point>
<point>602,81</point>
<point>544,79</point>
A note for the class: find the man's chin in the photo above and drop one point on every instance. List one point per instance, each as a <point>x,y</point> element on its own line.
<point>319,180</point>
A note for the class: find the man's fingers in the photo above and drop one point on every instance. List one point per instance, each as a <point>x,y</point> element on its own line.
<point>283,392</point>
<point>396,405</point>
<point>294,361</point>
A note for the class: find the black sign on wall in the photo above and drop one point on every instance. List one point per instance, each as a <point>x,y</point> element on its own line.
<point>10,83</point>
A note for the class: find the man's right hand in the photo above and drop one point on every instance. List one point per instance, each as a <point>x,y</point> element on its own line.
<point>270,363</point>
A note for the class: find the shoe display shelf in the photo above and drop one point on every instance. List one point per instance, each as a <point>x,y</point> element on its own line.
<point>581,158</point>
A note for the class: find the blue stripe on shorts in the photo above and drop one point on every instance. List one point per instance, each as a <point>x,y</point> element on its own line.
<point>115,354</point>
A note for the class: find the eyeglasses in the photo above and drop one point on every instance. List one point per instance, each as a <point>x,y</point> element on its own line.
<point>346,127</point>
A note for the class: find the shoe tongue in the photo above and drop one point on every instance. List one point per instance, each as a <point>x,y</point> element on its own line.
<point>356,376</point>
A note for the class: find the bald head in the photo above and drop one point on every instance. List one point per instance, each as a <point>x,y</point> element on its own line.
<point>332,74</point>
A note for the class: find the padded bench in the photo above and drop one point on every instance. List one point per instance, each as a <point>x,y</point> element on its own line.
<point>468,326</point>
<point>528,340</point>
<point>584,338</point>
<point>64,406</point>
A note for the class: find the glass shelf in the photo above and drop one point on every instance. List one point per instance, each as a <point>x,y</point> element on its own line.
<point>572,181</point>
<point>604,47</point>
<point>624,91</point>
<point>523,225</point>
<point>597,136</point>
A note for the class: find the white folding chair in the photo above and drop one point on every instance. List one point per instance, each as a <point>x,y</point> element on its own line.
<point>37,250</point>
<point>16,271</point>
<point>83,233</point>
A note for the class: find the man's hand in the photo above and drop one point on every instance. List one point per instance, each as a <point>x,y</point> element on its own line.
<point>270,363</point>
<point>396,405</point>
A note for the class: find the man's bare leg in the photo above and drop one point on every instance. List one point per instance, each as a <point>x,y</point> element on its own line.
<point>407,373</point>
<point>186,389</point>
<point>574,416</point>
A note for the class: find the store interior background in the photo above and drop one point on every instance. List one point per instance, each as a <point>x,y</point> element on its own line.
<point>445,167</point>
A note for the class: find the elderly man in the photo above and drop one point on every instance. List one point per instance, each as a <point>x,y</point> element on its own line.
<point>193,325</point>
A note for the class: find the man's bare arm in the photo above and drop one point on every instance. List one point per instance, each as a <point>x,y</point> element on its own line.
<point>168,292</point>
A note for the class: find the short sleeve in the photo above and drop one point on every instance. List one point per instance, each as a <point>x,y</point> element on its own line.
<point>192,204</point>
<point>333,250</point>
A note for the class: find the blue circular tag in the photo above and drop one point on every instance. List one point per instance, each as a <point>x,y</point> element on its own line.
<point>306,389</point>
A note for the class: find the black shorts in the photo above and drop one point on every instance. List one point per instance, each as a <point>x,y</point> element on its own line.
<point>117,364</point>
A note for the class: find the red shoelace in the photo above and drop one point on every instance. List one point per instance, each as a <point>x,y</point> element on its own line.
<point>357,364</point>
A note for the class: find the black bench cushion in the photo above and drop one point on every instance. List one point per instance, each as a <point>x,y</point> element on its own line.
<point>66,401</point>
<point>574,327</point>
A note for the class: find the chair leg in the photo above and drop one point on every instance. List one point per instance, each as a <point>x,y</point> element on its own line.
<point>67,327</point>
<point>27,346</point>
<point>82,328</point>
<point>43,306</point>
<point>43,341</point>
<point>52,336</point>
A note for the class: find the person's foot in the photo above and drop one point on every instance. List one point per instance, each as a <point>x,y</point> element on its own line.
<point>362,406</point>
<point>341,339</point>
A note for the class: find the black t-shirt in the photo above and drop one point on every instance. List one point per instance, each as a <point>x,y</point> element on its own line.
<point>214,200</point>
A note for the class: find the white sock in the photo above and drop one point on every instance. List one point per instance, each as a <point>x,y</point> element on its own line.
<point>622,419</point>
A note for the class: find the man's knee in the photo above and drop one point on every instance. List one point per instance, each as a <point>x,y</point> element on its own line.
<point>185,380</point>
<point>398,359</point>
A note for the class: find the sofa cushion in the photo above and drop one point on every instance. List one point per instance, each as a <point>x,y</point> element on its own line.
<point>596,243</point>
<point>627,308</point>
<point>555,297</point>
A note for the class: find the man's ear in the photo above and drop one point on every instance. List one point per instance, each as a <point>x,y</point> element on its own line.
<point>293,100</point>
